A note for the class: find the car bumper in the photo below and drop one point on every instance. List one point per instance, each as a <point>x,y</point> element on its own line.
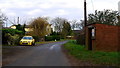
<point>21,43</point>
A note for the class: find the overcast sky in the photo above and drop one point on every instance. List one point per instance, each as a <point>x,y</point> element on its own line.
<point>69,9</point>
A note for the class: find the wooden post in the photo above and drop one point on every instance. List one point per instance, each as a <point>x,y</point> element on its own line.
<point>85,20</point>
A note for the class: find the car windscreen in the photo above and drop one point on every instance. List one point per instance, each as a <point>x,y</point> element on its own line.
<point>29,38</point>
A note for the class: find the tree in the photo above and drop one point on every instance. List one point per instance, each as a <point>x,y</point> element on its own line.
<point>66,30</point>
<point>58,24</point>
<point>118,21</point>
<point>39,27</point>
<point>105,17</point>
<point>77,24</point>
<point>82,24</point>
<point>3,18</point>
<point>73,24</point>
<point>21,27</point>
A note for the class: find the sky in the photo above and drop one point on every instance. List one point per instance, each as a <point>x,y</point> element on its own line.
<point>69,9</point>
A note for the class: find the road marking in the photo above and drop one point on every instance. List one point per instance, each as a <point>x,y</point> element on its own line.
<point>52,47</point>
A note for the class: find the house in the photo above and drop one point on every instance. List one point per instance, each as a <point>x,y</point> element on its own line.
<point>13,27</point>
<point>48,29</point>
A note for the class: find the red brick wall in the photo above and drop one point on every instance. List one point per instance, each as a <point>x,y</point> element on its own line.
<point>107,38</point>
<point>119,38</point>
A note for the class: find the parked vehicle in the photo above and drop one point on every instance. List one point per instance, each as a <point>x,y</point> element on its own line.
<point>27,40</point>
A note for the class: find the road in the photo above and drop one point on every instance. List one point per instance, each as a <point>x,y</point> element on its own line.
<point>41,55</point>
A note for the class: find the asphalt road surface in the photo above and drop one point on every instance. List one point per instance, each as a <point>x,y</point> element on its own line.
<point>41,55</point>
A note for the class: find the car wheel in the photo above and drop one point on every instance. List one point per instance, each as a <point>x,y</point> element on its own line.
<point>33,44</point>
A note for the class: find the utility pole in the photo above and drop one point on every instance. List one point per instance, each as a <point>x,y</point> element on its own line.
<point>85,13</point>
<point>18,20</point>
<point>85,20</point>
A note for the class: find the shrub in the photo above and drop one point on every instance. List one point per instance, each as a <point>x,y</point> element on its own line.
<point>12,31</point>
<point>52,38</point>
<point>17,38</point>
<point>81,39</point>
<point>49,38</point>
<point>56,37</point>
<point>11,36</point>
<point>11,40</point>
<point>6,38</point>
<point>36,38</point>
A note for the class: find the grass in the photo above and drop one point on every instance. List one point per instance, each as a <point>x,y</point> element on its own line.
<point>97,57</point>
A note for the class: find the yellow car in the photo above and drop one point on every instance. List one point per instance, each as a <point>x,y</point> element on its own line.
<point>27,40</point>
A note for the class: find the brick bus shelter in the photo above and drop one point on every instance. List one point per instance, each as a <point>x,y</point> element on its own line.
<point>102,37</point>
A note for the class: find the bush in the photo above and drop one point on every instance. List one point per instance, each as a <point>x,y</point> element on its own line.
<point>11,40</point>
<point>36,38</point>
<point>11,36</point>
<point>49,38</point>
<point>5,38</point>
<point>81,39</point>
<point>17,38</point>
<point>56,37</point>
<point>12,31</point>
<point>52,38</point>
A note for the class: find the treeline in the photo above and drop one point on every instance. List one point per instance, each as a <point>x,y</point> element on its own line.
<point>42,28</point>
<point>62,27</point>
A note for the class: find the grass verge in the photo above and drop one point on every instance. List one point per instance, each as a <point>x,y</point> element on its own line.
<point>97,57</point>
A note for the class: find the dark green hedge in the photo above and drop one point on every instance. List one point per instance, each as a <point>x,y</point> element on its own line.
<point>52,38</point>
<point>12,31</point>
<point>36,38</point>
<point>57,37</point>
<point>48,38</point>
<point>80,39</point>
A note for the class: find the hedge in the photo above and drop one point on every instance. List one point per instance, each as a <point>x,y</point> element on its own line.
<point>52,38</point>
<point>36,38</point>
<point>12,31</point>
<point>56,37</point>
<point>11,35</point>
<point>81,39</point>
